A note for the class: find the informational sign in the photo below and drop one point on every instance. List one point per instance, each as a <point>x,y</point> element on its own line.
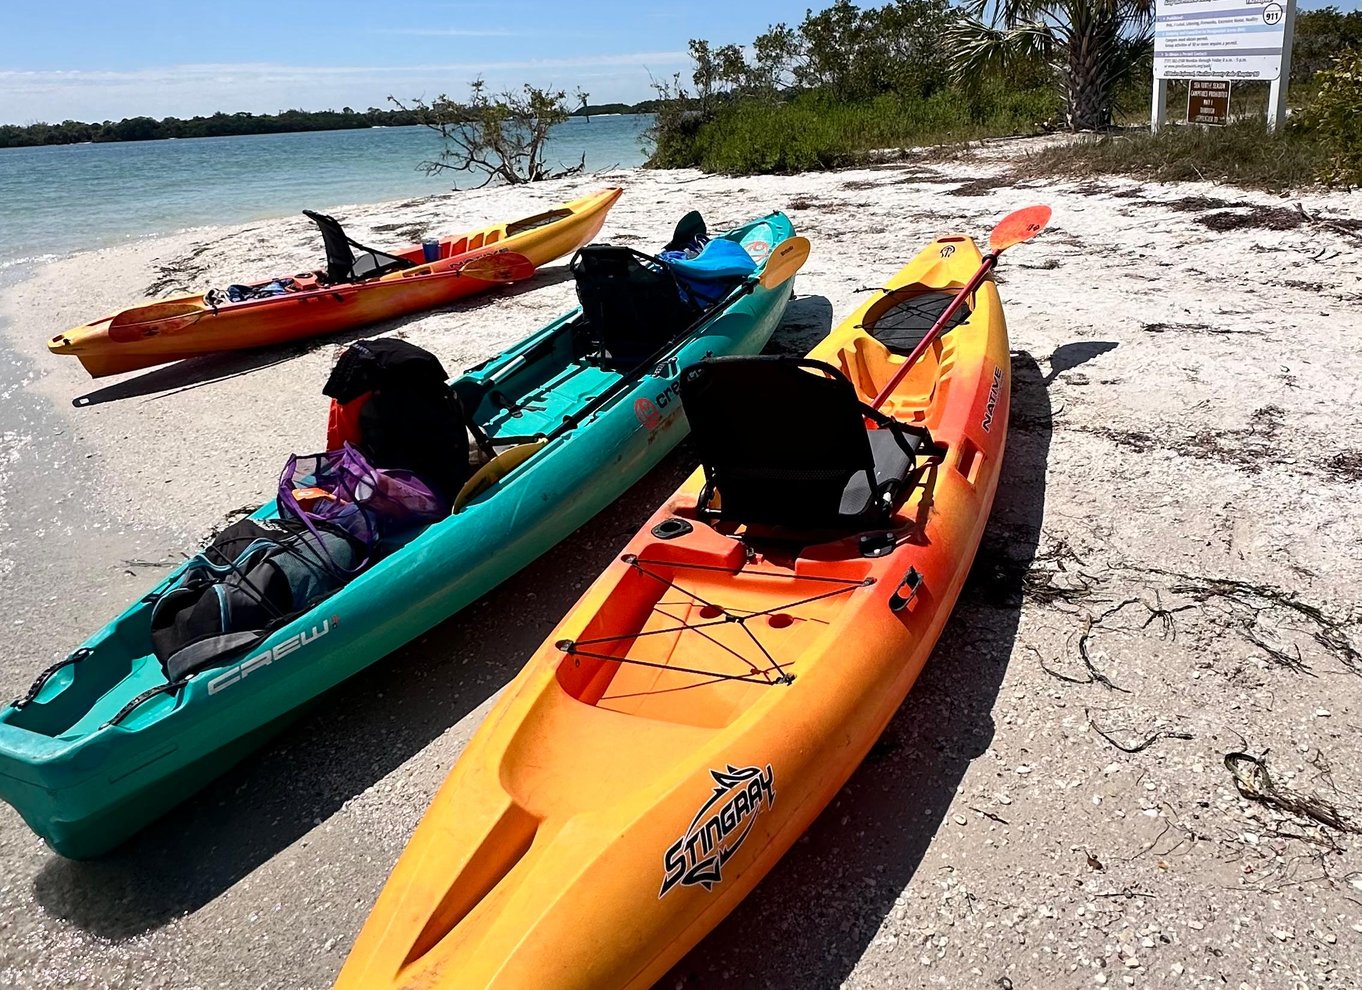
<point>1219,39</point>
<point>1208,102</point>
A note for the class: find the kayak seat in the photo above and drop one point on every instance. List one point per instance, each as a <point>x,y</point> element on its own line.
<point>783,442</point>
<point>342,264</point>
<point>631,304</point>
<point>893,461</point>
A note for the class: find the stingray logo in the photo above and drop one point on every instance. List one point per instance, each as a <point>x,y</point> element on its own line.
<point>719,828</point>
<point>296,642</point>
<point>648,414</point>
<point>992,406</point>
<point>948,250</point>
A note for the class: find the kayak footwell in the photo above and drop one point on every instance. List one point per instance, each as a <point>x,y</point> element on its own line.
<point>505,845</point>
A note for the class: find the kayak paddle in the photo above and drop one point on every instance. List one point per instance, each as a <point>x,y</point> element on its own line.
<point>785,259</point>
<point>504,266</point>
<point>135,324</point>
<point>1013,229</point>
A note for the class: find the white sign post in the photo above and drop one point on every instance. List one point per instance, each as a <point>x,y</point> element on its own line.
<point>1224,40</point>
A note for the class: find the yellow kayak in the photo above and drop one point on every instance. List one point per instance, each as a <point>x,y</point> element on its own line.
<point>711,692</point>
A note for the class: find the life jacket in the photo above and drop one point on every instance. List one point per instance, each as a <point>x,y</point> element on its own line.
<point>342,424</point>
<point>706,276</point>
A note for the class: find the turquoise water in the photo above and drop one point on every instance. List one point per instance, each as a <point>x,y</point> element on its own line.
<point>57,200</point>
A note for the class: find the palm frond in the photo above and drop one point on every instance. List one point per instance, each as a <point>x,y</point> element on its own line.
<point>1095,46</point>
<point>974,9</point>
<point>1129,57</point>
<point>978,49</point>
<point>1015,13</point>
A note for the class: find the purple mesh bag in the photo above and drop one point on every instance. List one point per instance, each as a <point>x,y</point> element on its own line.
<point>367,501</point>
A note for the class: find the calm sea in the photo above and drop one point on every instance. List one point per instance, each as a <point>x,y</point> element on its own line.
<point>57,200</point>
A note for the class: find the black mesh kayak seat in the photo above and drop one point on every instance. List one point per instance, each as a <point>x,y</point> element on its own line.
<point>631,304</point>
<point>902,318</point>
<point>342,264</point>
<point>783,442</point>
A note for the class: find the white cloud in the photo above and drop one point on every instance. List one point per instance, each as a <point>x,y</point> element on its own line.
<point>186,90</point>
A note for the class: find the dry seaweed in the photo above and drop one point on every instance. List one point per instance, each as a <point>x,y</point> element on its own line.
<point>180,274</point>
<point>1254,781</point>
<point>1246,603</point>
<point>1165,327</point>
<point>1260,217</point>
<point>1194,204</point>
<point>1345,466</point>
<point>1095,676</point>
<point>982,186</point>
<point>1143,744</point>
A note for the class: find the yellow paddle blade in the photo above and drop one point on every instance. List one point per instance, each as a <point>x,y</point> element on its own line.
<point>785,259</point>
<point>494,470</point>
<point>1016,227</point>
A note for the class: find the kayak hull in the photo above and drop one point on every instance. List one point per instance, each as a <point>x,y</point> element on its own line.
<point>85,785</point>
<point>610,812</point>
<point>175,329</point>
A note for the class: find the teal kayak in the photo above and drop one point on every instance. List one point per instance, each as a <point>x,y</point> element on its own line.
<point>102,744</point>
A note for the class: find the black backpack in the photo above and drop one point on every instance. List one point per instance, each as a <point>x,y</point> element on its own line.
<point>413,419</point>
<point>255,576</point>
<point>632,304</point>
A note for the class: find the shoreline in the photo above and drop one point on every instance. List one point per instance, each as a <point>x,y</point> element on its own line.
<point>106,195</point>
<point>1182,419</point>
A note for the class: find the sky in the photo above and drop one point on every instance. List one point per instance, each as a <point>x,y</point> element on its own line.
<point>98,60</point>
<point>107,59</point>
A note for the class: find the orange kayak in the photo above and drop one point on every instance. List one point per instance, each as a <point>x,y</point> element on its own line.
<point>358,288</point>
<point>711,692</point>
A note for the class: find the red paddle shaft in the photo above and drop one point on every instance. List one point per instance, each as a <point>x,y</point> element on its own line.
<point>990,260</point>
<point>1012,229</point>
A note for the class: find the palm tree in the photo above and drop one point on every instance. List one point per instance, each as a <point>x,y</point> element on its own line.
<point>1093,46</point>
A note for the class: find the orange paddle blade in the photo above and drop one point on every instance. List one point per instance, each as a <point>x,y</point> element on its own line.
<point>504,266</point>
<point>1017,227</point>
<point>147,321</point>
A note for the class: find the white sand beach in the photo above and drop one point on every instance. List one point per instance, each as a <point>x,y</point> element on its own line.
<point>1171,575</point>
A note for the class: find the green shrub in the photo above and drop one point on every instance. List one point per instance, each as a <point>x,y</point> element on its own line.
<point>675,127</point>
<point>814,131</point>
<point>1335,115</point>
